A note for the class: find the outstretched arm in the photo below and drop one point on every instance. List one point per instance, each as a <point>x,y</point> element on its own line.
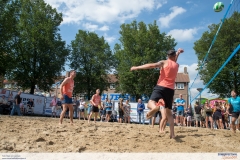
<point>148,66</point>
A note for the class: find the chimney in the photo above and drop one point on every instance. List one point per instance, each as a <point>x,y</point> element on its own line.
<point>185,70</point>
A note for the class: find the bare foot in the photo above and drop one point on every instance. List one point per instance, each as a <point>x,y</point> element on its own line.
<point>152,112</point>
<point>172,137</point>
<point>162,132</point>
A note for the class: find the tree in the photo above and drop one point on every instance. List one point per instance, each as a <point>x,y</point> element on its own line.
<point>92,58</point>
<point>6,23</point>
<point>140,44</point>
<point>227,40</point>
<point>37,49</point>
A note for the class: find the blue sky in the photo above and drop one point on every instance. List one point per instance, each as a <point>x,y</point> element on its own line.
<point>185,20</point>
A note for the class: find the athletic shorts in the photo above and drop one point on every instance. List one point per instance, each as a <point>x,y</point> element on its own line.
<point>158,113</point>
<point>67,100</point>
<point>235,114</point>
<point>95,109</point>
<point>165,93</point>
<point>179,113</point>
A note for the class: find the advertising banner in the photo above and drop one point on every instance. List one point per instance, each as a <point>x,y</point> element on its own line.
<point>4,92</point>
<point>39,101</point>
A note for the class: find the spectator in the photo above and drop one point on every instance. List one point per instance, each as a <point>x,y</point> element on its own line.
<point>127,111</point>
<point>53,104</point>
<point>217,115</point>
<point>4,106</point>
<point>89,108</point>
<point>197,109</point>
<point>174,111</point>
<point>234,103</point>
<point>81,109</point>
<point>120,110</point>
<point>75,107</point>
<point>108,108</point>
<point>209,112</point>
<point>140,111</point>
<point>180,109</point>
<point>3,101</point>
<point>103,110</point>
<point>16,107</point>
<point>188,113</point>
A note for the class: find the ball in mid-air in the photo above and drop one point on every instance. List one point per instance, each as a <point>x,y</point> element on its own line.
<point>218,7</point>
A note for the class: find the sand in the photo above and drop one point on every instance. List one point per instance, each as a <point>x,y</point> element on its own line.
<point>43,134</point>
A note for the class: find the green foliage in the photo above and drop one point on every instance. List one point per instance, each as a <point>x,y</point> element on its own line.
<point>35,46</point>
<point>140,44</point>
<point>227,40</point>
<point>92,58</point>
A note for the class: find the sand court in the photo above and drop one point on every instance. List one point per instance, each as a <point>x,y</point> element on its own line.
<point>43,134</point>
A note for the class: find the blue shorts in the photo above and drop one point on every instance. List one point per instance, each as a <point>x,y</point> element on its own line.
<point>180,113</point>
<point>66,100</point>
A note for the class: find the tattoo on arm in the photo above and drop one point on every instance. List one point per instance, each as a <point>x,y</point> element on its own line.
<point>160,64</point>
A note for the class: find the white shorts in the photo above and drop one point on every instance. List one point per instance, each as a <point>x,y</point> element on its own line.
<point>54,109</point>
<point>189,118</point>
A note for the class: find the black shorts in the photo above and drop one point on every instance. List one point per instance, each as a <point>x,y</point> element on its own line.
<point>217,115</point>
<point>235,114</point>
<point>95,109</point>
<point>158,113</point>
<point>165,93</point>
<point>208,114</point>
<point>109,112</point>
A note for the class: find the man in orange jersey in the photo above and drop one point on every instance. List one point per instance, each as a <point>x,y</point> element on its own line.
<point>164,90</point>
<point>66,89</point>
<point>96,102</point>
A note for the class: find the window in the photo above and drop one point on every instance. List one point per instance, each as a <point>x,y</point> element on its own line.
<point>180,85</point>
<point>112,86</point>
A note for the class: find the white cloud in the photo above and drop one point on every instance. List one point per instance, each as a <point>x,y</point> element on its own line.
<point>188,2</point>
<point>90,27</point>
<point>181,35</point>
<point>108,38</point>
<point>94,27</point>
<point>159,5</point>
<point>102,11</point>
<point>175,11</point>
<point>104,28</point>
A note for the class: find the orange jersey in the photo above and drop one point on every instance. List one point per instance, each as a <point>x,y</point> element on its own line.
<point>68,88</point>
<point>168,75</point>
<point>96,99</point>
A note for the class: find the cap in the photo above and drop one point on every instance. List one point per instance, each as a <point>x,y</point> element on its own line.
<point>171,52</point>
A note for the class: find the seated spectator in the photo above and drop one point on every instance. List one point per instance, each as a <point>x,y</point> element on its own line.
<point>30,103</point>
<point>3,101</point>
